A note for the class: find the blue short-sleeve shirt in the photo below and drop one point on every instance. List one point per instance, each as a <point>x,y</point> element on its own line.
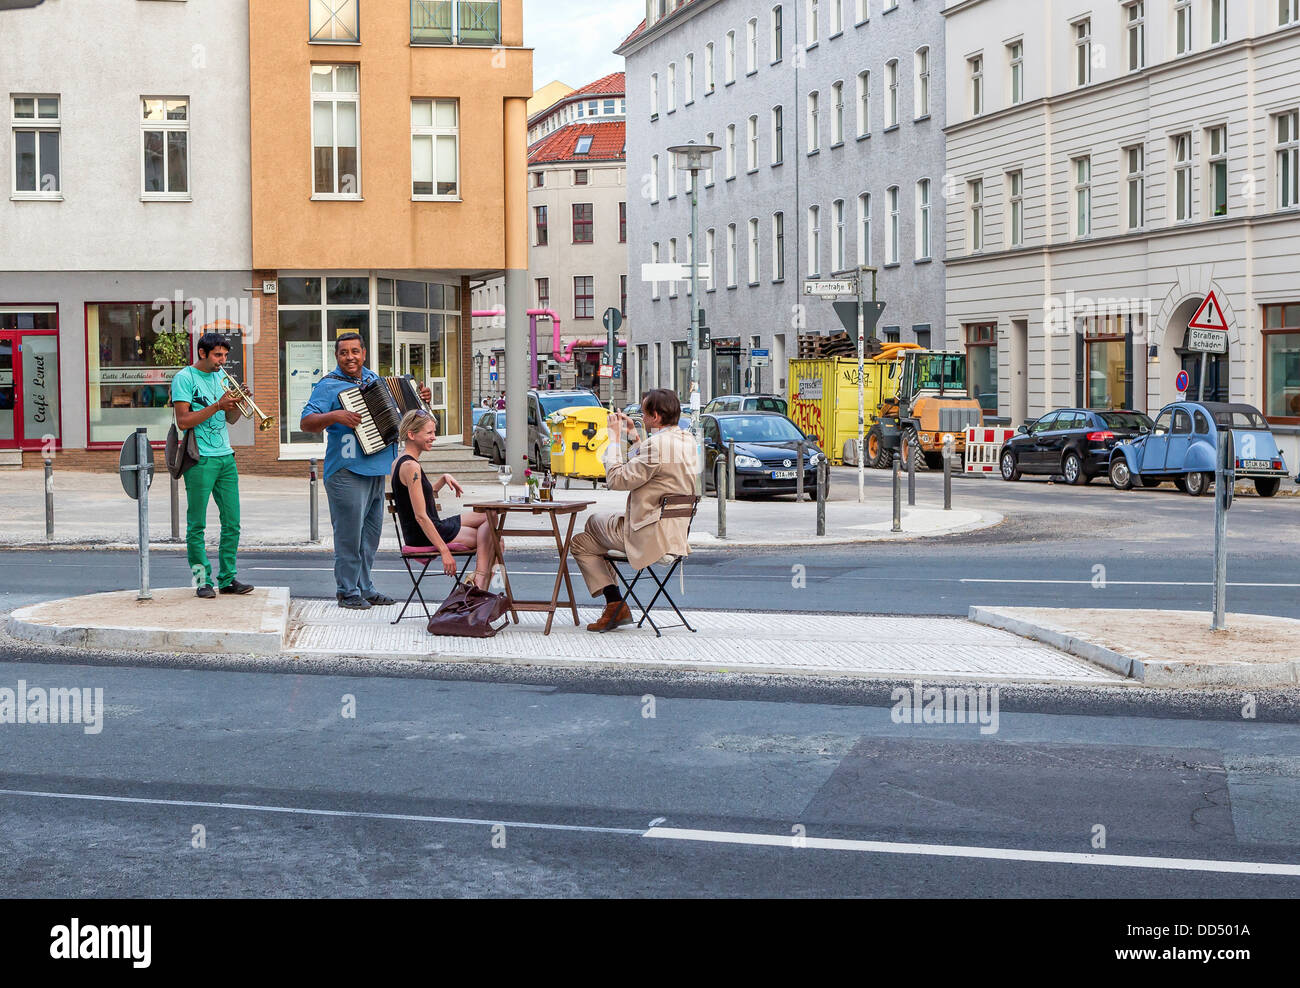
<point>342,449</point>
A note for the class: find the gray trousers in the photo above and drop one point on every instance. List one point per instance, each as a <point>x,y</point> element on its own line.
<point>357,516</point>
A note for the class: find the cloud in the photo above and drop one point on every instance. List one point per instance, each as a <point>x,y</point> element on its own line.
<point>574,40</point>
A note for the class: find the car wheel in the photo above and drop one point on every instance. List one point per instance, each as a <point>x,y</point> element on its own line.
<point>877,456</point>
<point>1181,484</point>
<point>477,451</point>
<point>934,461</point>
<point>1267,486</point>
<point>1121,478</point>
<point>1197,483</point>
<point>1152,481</point>
<point>1009,469</point>
<point>1072,470</point>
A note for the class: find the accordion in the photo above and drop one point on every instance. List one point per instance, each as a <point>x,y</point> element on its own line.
<point>381,405</point>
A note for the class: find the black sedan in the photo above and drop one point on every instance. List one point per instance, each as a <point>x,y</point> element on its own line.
<point>766,446</point>
<point>1073,443</point>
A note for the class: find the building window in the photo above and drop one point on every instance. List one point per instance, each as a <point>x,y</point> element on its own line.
<point>690,259</point>
<point>654,178</point>
<point>864,229</point>
<point>751,144</point>
<point>654,95</point>
<point>838,261</point>
<point>751,45</point>
<point>543,293</point>
<point>814,241</point>
<point>975,73</point>
<point>1107,362</point>
<point>1083,52</point>
<point>166,148</point>
<point>1135,33</point>
<point>1082,168</point>
<point>1288,159</point>
<point>543,231</point>
<point>582,222</point>
<point>923,220</point>
<point>584,306</point>
<point>670,87</point>
<point>708,69</point>
<point>921,84</point>
<point>1016,200</point>
<point>982,364</point>
<point>862,10</point>
<point>36,125</point>
<point>730,149</point>
<point>1135,186</point>
<point>455,22</point>
<point>539,180</point>
<point>1218,21</point>
<point>731,255</point>
<point>1217,166</point>
<point>690,80</point>
<point>1016,65</point>
<point>891,238</point>
<point>813,27</point>
<point>1288,12</point>
<point>837,114</point>
<point>1282,363</point>
<point>622,222</point>
<point>753,252</point>
<point>335,111</point>
<point>672,179</point>
<point>778,135</point>
<point>814,128</point>
<point>711,254</point>
<point>778,42</point>
<point>1182,26</point>
<point>976,195</point>
<point>778,246</point>
<point>672,259</point>
<point>864,104</point>
<point>654,259</point>
<point>729,59</point>
<point>334,20</point>
<point>581,176</point>
<point>891,93</point>
<point>1183,177</point>
<point>435,149</point>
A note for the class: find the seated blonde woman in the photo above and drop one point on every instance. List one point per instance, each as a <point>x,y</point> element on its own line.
<point>417,514</point>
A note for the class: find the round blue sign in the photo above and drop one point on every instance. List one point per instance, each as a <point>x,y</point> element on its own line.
<point>1182,381</point>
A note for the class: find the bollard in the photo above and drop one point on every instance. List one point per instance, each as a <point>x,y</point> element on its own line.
<point>911,477</point>
<point>823,482</point>
<point>720,485</point>
<point>49,500</point>
<point>731,469</point>
<point>898,494</point>
<point>947,474</point>
<point>314,499</point>
<point>144,456</point>
<point>176,509</point>
<point>798,475</point>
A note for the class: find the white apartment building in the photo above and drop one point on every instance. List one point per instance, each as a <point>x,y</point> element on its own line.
<point>1108,166</point>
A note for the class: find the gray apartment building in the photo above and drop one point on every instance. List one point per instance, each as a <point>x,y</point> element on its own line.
<point>830,116</point>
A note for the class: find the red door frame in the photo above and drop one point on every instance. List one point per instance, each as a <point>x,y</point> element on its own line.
<point>20,440</point>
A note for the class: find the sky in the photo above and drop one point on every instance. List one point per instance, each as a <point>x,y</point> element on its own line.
<point>574,40</point>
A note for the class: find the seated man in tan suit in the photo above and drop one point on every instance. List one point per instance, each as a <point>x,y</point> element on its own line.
<point>662,463</point>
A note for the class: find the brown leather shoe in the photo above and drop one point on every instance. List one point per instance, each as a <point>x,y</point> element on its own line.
<point>611,617</point>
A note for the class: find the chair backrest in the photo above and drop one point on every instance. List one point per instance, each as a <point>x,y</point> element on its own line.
<point>679,506</point>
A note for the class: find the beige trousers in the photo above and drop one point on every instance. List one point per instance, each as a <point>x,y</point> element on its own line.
<point>601,533</point>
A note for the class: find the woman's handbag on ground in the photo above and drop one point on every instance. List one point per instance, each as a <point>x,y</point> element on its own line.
<point>469,612</point>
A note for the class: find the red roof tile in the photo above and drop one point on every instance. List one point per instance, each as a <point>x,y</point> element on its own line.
<point>608,141</point>
<point>612,83</point>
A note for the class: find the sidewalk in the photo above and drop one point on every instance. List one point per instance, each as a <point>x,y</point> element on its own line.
<point>92,510</point>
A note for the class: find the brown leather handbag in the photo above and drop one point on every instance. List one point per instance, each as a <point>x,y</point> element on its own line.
<point>469,612</point>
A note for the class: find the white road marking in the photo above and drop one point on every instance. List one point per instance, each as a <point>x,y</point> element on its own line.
<point>990,853</point>
<point>1127,583</point>
<point>305,811</point>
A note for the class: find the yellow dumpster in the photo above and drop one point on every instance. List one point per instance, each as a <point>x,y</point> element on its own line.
<point>824,396</point>
<point>578,437</point>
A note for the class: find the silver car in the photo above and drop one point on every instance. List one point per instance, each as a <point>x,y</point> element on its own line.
<point>490,436</point>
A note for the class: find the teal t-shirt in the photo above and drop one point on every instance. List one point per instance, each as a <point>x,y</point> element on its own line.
<point>201,390</point>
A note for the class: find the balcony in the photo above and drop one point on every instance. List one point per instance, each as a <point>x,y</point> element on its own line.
<point>452,22</point>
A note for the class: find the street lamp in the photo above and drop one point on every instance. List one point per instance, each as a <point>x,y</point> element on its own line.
<point>478,372</point>
<point>695,158</point>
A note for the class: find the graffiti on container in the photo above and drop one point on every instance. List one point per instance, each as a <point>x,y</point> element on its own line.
<point>808,417</point>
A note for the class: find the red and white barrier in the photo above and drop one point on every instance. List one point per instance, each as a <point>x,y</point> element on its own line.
<point>983,446</point>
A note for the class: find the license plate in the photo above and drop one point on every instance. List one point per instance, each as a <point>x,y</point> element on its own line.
<point>1256,464</point>
<point>783,475</point>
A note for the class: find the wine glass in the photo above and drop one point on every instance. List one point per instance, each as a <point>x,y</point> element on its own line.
<point>504,474</point>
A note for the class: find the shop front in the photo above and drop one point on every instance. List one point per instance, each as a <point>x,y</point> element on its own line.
<point>29,378</point>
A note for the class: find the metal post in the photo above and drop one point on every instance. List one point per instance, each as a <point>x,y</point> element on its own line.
<point>911,475</point>
<point>1222,478</point>
<point>175,508</point>
<point>1200,391</point>
<point>49,500</point>
<point>898,495</point>
<point>142,479</point>
<point>720,483</point>
<point>314,501</point>
<point>823,482</point>
<point>947,473</point>
<point>862,396</point>
<point>798,476</point>
<point>731,469</point>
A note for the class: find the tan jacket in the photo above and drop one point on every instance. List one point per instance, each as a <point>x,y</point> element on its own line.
<point>663,463</point>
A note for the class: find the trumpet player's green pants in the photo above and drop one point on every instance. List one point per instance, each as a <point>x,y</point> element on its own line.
<point>212,477</point>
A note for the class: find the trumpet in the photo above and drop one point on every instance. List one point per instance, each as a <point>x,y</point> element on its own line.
<point>247,407</point>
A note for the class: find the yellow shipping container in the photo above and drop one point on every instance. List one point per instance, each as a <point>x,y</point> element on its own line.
<point>824,397</point>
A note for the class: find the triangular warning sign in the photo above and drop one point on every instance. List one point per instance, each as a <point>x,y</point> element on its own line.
<point>1209,315</point>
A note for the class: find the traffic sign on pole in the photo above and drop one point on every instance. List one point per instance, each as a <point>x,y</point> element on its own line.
<point>1209,315</point>
<point>848,313</point>
<point>1182,382</point>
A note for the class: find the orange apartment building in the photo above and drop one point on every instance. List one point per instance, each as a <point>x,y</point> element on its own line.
<point>388,163</point>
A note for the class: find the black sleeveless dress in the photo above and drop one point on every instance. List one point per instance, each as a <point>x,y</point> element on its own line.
<point>412,533</point>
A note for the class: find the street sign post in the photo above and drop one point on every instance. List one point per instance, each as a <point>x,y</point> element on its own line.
<point>136,468</point>
<point>1207,333</point>
<point>1225,479</point>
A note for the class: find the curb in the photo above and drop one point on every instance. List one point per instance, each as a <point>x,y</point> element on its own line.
<point>269,640</point>
<point>1139,666</point>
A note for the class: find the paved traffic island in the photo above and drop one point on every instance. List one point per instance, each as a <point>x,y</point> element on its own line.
<point>1164,648</point>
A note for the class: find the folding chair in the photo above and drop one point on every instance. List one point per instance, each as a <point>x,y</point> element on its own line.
<point>422,554</point>
<point>671,506</point>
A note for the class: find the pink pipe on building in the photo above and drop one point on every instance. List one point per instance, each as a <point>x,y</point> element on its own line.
<point>560,357</point>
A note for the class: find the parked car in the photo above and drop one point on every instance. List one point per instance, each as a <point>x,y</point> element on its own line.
<point>543,404</point>
<point>1182,446</point>
<point>490,436</point>
<point>748,403</point>
<point>766,449</point>
<point>1073,443</point>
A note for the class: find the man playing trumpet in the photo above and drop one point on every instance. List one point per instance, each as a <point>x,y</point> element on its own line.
<point>202,403</point>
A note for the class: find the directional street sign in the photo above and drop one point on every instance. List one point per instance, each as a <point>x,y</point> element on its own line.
<point>830,289</point>
<point>848,312</point>
<point>671,271</point>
